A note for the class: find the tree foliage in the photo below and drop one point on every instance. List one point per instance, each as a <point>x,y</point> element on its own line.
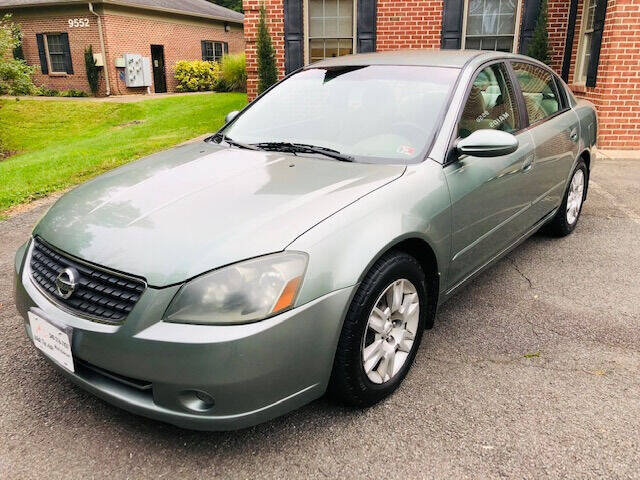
<point>267,69</point>
<point>231,4</point>
<point>15,74</point>
<point>539,46</point>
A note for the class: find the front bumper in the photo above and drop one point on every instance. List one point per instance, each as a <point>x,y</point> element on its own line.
<point>254,372</point>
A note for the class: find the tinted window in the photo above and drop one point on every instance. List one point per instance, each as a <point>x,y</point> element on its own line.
<point>539,91</point>
<point>375,113</point>
<point>491,103</point>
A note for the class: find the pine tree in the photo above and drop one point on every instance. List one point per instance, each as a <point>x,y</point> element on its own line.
<point>267,70</point>
<point>539,46</point>
<point>92,70</point>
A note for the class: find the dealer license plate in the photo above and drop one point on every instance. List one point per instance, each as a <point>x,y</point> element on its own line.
<point>53,341</point>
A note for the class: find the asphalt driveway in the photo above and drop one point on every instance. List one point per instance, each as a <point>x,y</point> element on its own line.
<point>533,371</point>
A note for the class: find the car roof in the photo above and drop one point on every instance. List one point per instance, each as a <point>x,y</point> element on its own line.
<point>433,58</point>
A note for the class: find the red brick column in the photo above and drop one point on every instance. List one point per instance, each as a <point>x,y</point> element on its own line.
<point>275,23</point>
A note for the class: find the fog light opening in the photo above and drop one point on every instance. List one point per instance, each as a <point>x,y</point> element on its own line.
<point>197,400</point>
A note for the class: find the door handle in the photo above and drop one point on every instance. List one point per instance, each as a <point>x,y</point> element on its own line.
<point>573,135</point>
<point>527,164</point>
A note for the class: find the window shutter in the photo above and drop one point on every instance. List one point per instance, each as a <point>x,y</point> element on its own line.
<point>452,13</point>
<point>67,53</point>
<point>42,54</point>
<point>366,26</point>
<point>568,43</point>
<point>203,45</point>
<point>530,14</point>
<point>293,36</point>
<point>226,48</point>
<point>596,42</point>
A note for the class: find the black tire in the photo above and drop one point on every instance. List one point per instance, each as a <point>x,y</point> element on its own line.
<point>349,383</point>
<point>559,225</point>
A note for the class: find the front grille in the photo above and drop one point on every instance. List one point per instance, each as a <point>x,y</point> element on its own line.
<point>99,294</point>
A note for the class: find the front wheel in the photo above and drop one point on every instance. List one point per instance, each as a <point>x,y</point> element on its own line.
<point>566,218</point>
<point>381,333</point>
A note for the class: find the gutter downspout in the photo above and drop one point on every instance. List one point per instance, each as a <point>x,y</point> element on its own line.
<point>104,50</point>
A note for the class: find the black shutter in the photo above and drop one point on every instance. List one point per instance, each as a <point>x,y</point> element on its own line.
<point>367,24</point>
<point>203,45</point>
<point>568,42</point>
<point>226,48</point>
<point>452,13</point>
<point>42,54</point>
<point>68,65</point>
<point>293,36</point>
<point>596,42</point>
<point>529,21</point>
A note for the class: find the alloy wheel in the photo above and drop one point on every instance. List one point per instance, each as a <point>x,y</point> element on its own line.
<point>576,194</point>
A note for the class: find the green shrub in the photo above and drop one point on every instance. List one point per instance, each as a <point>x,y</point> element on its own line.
<point>92,70</point>
<point>267,69</point>
<point>539,46</point>
<point>15,74</point>
<point>234,72</point>
<point>52,92</point>
<point>73,92</point>
<point>197,75</point>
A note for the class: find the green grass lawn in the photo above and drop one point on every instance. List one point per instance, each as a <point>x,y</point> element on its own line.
<point>61,143</point>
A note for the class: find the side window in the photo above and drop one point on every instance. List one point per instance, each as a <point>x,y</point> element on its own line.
<point>539,91</point>
<point>491,103</point>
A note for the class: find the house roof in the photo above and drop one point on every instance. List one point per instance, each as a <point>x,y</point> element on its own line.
<point>198,8</point>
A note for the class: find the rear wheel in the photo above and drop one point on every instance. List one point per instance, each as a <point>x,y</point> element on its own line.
<point>381,333</point>
<point>568,214</point>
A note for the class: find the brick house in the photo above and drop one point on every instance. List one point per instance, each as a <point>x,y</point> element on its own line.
<point>136,41</point>
<point>595,44</point>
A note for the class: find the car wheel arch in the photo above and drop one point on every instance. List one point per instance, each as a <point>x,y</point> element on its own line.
<point>424,253</point>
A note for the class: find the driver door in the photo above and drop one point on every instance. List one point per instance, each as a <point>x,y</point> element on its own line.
<point>488,195</point>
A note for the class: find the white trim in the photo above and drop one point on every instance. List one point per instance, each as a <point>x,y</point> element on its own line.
<point>516,33</point>
<point>578,78</point>
<point>305,21</point>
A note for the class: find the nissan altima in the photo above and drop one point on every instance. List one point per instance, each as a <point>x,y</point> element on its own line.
<point>306,246</point>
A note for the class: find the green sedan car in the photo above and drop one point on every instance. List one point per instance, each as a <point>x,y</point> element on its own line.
<point>306,246</point>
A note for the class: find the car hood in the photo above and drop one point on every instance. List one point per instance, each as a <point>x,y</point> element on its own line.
<point>176,214</point>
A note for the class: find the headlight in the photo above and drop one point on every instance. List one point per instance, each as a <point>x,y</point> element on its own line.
<point>241,293</point>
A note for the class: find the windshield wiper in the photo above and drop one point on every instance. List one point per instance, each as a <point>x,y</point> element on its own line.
<point>221,137</point>
<point>304,148</point>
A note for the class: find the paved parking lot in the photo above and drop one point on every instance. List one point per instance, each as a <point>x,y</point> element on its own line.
<point>531,372</point>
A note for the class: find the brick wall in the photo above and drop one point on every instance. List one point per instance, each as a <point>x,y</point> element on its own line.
<point>409,24</point>
<point>125,31</point>
<point>275,23</point>
<point>56,20</point>
<point>558,16</point>
<point>617,91</point>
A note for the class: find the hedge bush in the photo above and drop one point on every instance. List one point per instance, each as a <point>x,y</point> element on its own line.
<point>234,72</point>
<point>197,75</point>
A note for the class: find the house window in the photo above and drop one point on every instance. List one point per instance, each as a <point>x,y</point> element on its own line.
<point>584,47</point>
<point>214,51</point>
<point>491,25</point>
<point>54,46</point>
<point>330,28</point>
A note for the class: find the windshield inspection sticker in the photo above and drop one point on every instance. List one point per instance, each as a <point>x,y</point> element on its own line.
<point>406,150</point>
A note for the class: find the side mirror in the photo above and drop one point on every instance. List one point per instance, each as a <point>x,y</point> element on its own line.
<point>487,143</point>
<point>230,116</point>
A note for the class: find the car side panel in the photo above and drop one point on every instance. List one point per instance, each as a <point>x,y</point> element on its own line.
<point>343,247</point>
<point>556,147</point>
<point>489,201</point>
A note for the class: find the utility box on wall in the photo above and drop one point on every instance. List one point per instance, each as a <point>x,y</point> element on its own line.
<point>137,70</point>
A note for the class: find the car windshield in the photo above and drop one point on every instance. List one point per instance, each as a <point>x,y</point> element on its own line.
<point>380,113</point>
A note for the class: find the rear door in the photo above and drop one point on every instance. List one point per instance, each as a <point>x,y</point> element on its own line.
<point>488,195</point>
<point>554,127</point>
